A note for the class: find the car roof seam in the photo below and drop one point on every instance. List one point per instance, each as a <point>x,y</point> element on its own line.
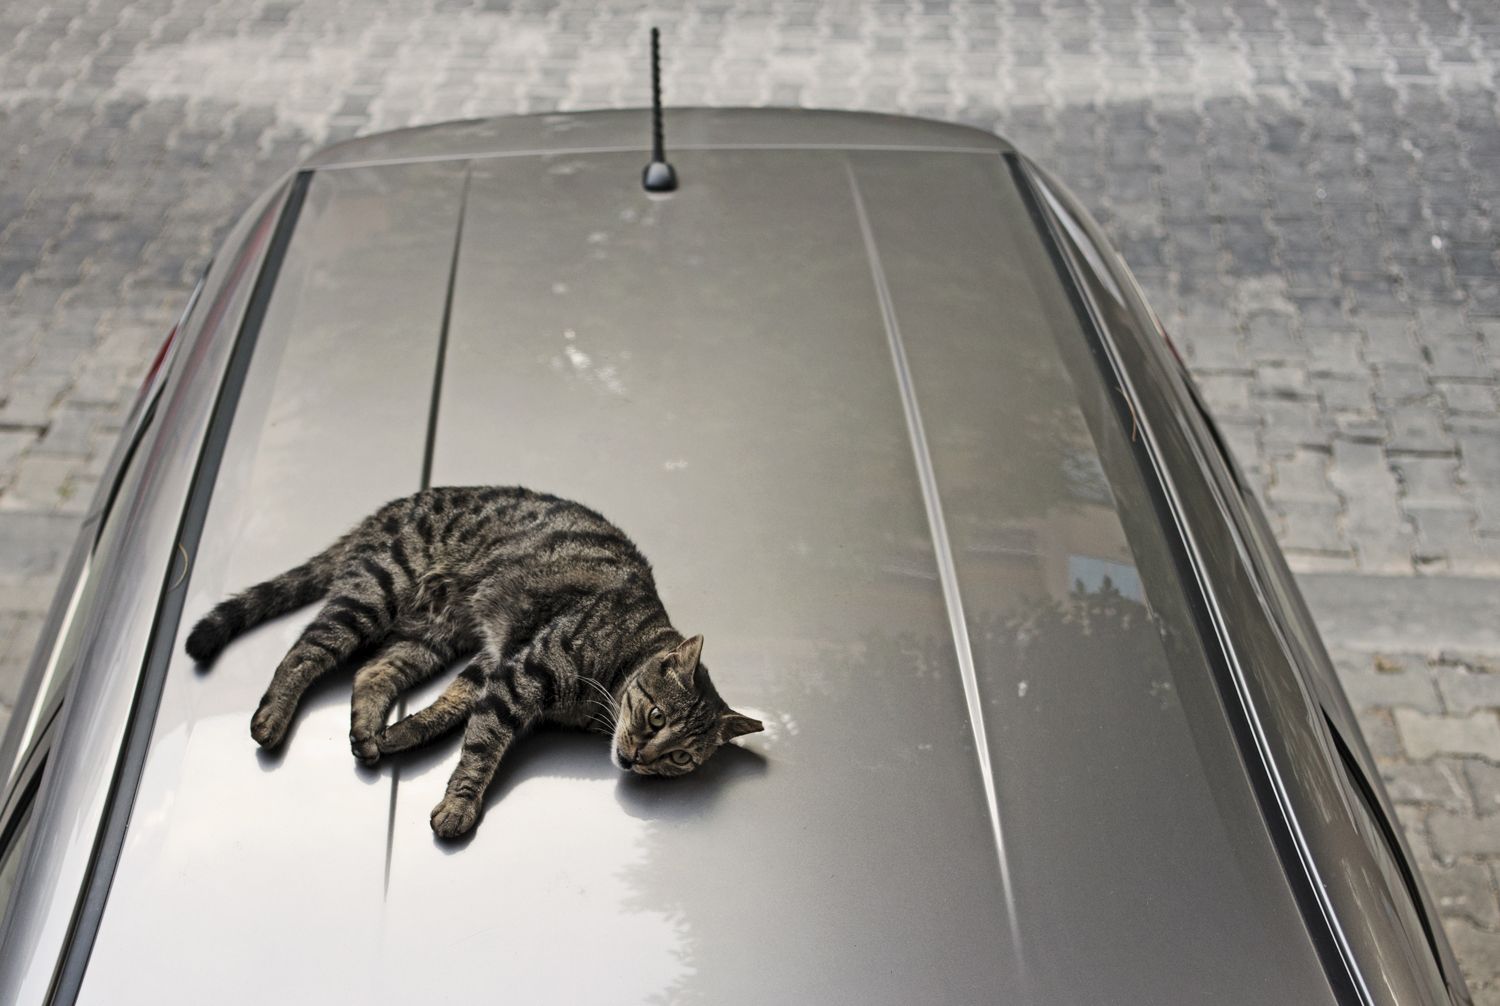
<point>943,555</point>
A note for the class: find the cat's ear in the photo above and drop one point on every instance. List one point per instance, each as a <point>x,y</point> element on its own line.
<point>682,661</point>
<point>733,724</point>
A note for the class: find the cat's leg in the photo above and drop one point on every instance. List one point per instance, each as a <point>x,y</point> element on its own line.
<point>451,708</point>
<point>410,657</point>
<point>360,614</point>
<point>458,700</point>
<point>514,698</point>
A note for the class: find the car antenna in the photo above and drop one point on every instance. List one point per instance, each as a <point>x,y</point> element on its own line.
<point>659,176</point>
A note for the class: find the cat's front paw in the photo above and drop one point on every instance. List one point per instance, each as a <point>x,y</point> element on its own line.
<point>365,748</point>
<point>454,816</point>
<point>269,725</point>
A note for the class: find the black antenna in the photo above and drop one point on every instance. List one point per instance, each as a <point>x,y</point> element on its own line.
<point>659,176</point>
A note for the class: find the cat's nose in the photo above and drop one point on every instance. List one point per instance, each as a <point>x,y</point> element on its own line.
<point>626,762</point>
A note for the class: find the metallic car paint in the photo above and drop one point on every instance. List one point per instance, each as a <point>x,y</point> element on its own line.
<point>133,556</point>
<point>716,372</point>
<point>736,408</point>
<point>251,852</point>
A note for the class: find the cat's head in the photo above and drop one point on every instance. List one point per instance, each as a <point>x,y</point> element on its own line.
<point>671,718</point>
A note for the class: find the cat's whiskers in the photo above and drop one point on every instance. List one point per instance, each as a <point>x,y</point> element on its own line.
<point>609,702</point>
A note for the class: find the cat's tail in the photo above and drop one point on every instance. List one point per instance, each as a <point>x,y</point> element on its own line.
<point>247,609</point>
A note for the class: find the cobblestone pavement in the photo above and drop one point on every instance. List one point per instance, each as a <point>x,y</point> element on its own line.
<point>1306,189</point>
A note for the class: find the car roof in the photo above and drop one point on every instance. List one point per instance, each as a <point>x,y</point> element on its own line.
<point>836,392</point>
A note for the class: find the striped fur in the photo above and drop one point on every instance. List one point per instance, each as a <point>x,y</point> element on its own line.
<point>557,607</point>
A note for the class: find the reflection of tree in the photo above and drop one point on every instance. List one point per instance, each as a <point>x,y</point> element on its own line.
<point>1042,632</point>
<point>841,843</point>
<point>1114,778</point>
<point>793,876</point>
<point>1024,456</point>
<point>787,878</point>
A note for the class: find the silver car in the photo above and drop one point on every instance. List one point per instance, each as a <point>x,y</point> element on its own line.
<point>1047,721</point>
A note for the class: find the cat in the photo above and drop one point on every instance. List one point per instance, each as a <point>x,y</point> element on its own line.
<point>558,607</point>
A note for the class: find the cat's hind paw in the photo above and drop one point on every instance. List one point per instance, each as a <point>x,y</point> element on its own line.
<point>454,816</point>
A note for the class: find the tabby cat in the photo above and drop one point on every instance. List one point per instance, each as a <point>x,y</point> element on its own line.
<point>557,605</point>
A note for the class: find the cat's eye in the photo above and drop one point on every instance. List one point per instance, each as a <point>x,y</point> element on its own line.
<point>681,757</point>
<point>656,718</point>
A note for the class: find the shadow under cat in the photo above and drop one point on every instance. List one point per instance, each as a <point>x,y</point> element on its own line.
<point>549,752</point>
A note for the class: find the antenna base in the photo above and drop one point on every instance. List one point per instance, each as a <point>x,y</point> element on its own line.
<point>659,176</point>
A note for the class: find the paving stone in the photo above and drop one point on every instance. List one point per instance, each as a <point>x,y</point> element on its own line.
<point>1389,342</point>
<point>1484,780</point>
<point>1443,534</point>
<point>1417,429</point>
<point>1439,782</point>
<point>1373,519</point>
<point>39,483</point>
<point>21,630</point>
<point>1227,395</point>
<point>1381,737</point>
<point>1282,380</point>
<point>1479,449</point>
<point>1424,735</point>
<point>70,430</point>
<point>1270,336</point>
<point>1405,614</point>
<point>1291,423</point>
<point>1334,352</point>
<point>1453,356</point>
<point>1478,953</point>
<point>33,545</point>
<point>28,406</point>
<point>1401,383</point>
<point>1465,690</point>
<point>1463,835</point>
<point>1374,684</point>
<point>1303,476</point>
<point>1463,890</point>
<point>1213,343</point>
<point>12,443</point>
<point>1360,428</point>
<point>1466,396</point>
<point>1413,823</point>
<point>1310,525</point>
<point>1347,394</point>
<point>1244,445</point>
<point>1429,481</point>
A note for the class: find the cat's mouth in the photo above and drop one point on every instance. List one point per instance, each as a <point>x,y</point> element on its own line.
<point>622,760</point>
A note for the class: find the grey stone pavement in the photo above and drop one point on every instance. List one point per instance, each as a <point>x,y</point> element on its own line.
<point>1308,191</point>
